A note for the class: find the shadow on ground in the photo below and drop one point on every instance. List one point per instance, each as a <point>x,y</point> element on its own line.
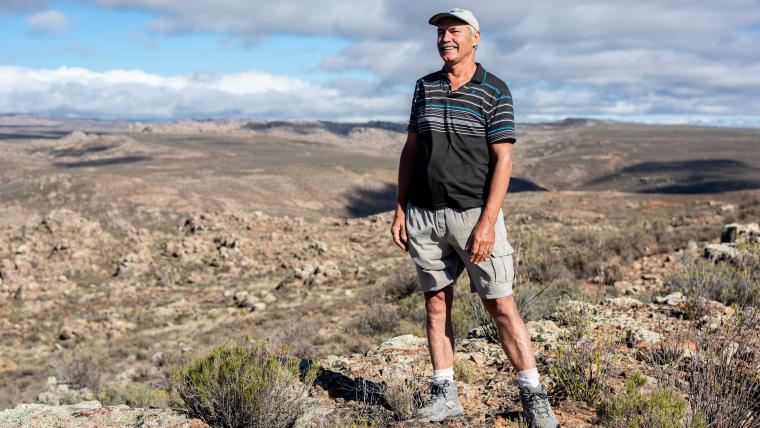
<point>681,177</point>
<point>103,162</point>
<point>51,135</point>
<point>363,202</point>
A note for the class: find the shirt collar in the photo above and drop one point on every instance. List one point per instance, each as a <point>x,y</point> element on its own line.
<point>478,77</point>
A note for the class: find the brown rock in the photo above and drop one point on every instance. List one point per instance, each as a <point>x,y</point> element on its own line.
<point>7,365</point>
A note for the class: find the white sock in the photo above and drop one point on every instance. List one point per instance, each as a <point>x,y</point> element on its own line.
<point>444,374</point>
<point>528,378</point>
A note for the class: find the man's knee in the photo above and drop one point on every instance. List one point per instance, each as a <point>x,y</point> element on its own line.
<point>502,307</point>
<point>436,303</point>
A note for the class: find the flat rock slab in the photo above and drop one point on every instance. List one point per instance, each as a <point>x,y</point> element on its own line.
<point>90,414</point>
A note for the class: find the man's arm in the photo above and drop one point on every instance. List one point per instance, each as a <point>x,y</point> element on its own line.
<point>483,234</point>
<point>398,229</point>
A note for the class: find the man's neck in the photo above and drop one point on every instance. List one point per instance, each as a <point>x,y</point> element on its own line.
<point>461,72</point>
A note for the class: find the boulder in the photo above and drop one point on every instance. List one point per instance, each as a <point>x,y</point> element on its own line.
<point>642,337</point>
<point>720,252</point>
<point>407,341</point>
<point>735,233</point>
<point>543,331</point>
<point>623,302</point>
<point>672,299</point>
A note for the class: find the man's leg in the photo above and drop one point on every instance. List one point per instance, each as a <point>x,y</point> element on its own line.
<point>440,331</point>
<point>444,398</point>
<point>515,340</point>
<point>513,334</point>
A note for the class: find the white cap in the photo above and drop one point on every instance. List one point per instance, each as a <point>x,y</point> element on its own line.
<point>461,14</point>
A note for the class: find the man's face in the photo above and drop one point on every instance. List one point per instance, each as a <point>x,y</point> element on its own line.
<point>456,41</point>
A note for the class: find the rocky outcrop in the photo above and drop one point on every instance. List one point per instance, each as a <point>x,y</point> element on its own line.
<point>90,414</point>
<point>732,238</point>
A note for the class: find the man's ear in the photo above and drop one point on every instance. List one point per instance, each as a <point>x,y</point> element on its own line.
<point>476,39</point>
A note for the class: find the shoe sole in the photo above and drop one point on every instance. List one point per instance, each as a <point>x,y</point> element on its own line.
<point>456,411</point>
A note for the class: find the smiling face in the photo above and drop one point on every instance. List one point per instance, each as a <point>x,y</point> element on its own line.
<point>456,41</point>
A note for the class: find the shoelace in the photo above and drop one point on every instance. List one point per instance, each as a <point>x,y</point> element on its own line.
<point>437,391</point>
<point>539,403</point>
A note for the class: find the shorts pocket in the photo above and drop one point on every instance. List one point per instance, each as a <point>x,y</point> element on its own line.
<point>503,269</point>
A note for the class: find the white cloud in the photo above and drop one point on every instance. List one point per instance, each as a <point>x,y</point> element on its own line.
<point>130,94</point>
<point>585,57</point>
<point>49,23</point>
<point>650,56</point>
<point>7,6</point>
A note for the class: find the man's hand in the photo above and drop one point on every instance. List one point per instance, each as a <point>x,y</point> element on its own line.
<point>398,230</point>
<point>481,242</point>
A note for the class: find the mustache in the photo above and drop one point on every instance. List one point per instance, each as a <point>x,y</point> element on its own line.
<point>448,45</point>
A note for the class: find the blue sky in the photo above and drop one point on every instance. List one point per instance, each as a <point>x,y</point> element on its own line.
<point>653,61</point>
<point>101,40</point>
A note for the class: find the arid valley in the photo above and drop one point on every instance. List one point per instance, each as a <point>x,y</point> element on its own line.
<point>129,248</point>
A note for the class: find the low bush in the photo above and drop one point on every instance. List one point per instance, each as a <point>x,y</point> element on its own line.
<point>79,369</point>
<point>403,396</point>
<point>723,377</point>
<point>749,209</point>
<point>403,285</point>
<point>540,266</point>
<point>660,408</point>
<point>246,384</point>
<point>378,319</point>
<point>735,283</point>
<point>464,370</point>
<point>583,362</point>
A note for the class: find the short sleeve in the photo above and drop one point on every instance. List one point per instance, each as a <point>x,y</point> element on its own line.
<point>412,126</point>
<point>501,120</point>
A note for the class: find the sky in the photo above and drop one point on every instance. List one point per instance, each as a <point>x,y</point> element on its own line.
<point>657,61</point>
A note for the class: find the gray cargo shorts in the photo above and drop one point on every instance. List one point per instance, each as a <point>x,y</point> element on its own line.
<point>437,240</point>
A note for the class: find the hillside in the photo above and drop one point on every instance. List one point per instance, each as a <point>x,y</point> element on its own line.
<point>128,248</point>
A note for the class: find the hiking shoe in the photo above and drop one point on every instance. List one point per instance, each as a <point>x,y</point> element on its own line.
<point>536,407</point>
<point>443,402</point>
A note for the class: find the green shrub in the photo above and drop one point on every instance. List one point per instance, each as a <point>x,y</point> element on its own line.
<point>661,408</point>
<point>730,283</point>
<point>583,362</point>
<point>247,384</point>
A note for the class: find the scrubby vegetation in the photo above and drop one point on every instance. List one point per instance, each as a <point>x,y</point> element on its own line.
<point>723,377</point>
<point>736,283</point>
<point>660,408</point>
<point>79,369</point>
<point>246,384</point>
<point>583,364</point>
<point>404,395</point>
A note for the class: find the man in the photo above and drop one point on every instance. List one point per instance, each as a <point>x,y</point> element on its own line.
<point>453,177</point>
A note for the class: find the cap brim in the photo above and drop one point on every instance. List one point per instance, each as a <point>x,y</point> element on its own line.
<point>438,16</point>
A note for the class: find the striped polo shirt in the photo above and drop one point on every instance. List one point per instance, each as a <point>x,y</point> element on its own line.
<point>452,166</point>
